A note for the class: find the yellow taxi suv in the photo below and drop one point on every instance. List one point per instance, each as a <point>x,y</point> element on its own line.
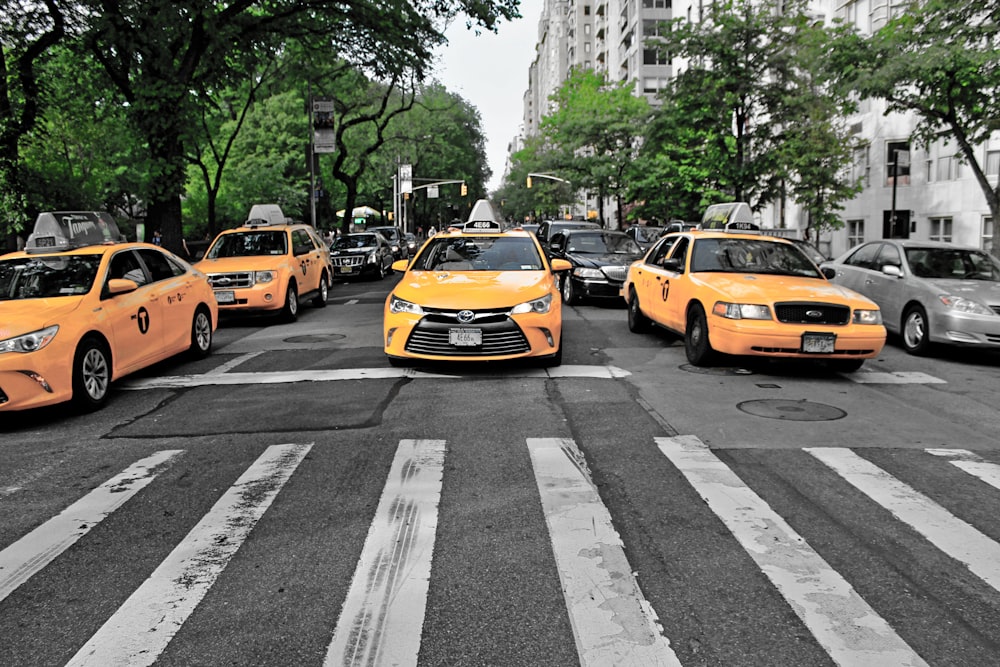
<point>476,294</point>
<point>267,267</point>
<point>736,292</point>
<point>80,308</point>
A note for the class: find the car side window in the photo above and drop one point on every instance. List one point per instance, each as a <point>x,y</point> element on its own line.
<point>158,264</point>
<point>864,257</point>
<point>126,265</point>
<point>889,255</point>
<point>661,250</point>
<point>680,251</point>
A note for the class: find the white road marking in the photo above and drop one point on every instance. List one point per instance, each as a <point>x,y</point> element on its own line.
<point>284,377</point>
<point>233,363</point>
<point>843,623</point>
<point>143,626</point>
<point>21,560</point>
<point>972,464</point>
<point>383,614</point>
<point>613,622</point>
<point>944,530</point>
<point>902,377</point>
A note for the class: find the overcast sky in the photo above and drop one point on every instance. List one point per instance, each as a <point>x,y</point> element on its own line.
<point>491,72</point>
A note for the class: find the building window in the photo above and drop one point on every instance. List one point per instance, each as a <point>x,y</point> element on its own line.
<point>859,169</point>
<point>855,232</point>
<point>988,234</point>
<point>586,10</point>
<point>897,163</point>
<point>654,57</point>
<point>586,29</point>
<point>941,229</point>
<point>992,163</point>
<point>586,47</point>
<point>656,4</point>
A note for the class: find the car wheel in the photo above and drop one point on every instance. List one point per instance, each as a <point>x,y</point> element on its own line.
<point>290,312</point>
<point>696,344</point>
<point>381,270</point>
<point>915,335</point>
<point>637,322</point>
<point>201,333</point>
<point>91,374</point>
<point>569,296</point>
<point>845,365</point>
<point>324,292</point>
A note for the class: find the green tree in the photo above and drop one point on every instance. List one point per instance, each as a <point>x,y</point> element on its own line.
<point>594,133</point>
<point>939,60</point>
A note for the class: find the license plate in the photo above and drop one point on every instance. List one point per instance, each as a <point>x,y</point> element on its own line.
<point>225,297</point>
<point>818,343</point>
<point>346,269</point>
<point>465,337</point>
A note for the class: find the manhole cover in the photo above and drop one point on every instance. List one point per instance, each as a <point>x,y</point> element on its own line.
<point>800,411</point>
<point>716,370</point>
<point>315,338</point>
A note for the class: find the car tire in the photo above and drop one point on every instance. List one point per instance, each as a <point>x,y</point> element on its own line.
<point>91,374</point>
<point>319,301</point>
<point>381,270</point>
<point>637,322</point>
<point>201,333</point>
<point>914,331</point>
<point>697,347</point>
<point>569,295</point>
<point>290,311</point>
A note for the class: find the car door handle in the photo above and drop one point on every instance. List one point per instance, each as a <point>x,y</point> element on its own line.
<point>869,281</point>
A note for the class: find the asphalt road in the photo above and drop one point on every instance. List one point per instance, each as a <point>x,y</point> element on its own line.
<point>294,500</point>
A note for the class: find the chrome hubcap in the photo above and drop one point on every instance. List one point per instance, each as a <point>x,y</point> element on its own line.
<point>95,374</point>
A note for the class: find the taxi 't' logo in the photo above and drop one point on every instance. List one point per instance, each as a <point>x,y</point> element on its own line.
<point>143,319</point>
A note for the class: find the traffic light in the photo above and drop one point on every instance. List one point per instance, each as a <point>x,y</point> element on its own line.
<point>465,189</point>
<point>529,181</point>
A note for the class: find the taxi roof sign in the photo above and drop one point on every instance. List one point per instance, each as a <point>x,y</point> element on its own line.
<point>474,226</point>
<point>483,210</point>
<point>730,217</point>
<point>65,230</point>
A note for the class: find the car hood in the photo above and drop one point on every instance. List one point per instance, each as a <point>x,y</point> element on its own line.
<point>473,289</point>
<point>987,291</point>
<point>353,251</point>
<point>27,315</point>
<point>597,261</point>
<point>764,288</point>
<point>234,264</point>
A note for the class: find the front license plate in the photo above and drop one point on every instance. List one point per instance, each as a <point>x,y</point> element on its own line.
<point>346,269</point>
<point>225,297</point>
<point>818,343</point>
<point>465,337</point>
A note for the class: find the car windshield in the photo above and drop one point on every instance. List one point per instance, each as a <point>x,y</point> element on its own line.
<point>352,241</point>
<point>602,243</point>
<point>485,253</point>
<point>248,244</point>
<point>743,255</point>
<point>952,263</point>
<point>43,277</point>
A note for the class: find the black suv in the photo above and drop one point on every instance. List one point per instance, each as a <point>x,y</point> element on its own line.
<point>395,239</point>
<point>600,260</point>
<point>549,227</point>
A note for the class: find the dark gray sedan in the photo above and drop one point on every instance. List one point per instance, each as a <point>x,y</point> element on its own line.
<point>929,292</point>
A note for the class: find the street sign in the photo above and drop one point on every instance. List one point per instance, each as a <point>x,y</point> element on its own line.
<point>432,192</point>
<point>406,178</point>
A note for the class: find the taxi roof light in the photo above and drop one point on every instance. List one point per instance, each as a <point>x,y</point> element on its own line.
<point>56,231</point>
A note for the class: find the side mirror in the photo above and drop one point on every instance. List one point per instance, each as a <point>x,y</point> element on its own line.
<point>400,266</point>
<point>892,270</point>
<point>673,264</point>
<point>302,250</point>
<point>829,272</point>
<point>121,286</point>
<point>561,265</point>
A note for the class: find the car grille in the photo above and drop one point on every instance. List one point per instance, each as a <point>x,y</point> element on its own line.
<point>349,260</point>
<point>237,280</point>
<point>812,313</point>
<point>450,317</point>
<point>616,273</point>
<point>499,338</point>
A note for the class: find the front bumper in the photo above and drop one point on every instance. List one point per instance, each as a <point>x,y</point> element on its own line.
<point>521,336</point>
<point>768,338</point>
<point>966,329</point>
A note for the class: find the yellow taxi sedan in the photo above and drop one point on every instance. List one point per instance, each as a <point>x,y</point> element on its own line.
<point>476,294</point>
<point>741,293</point>
<point>79,309</point>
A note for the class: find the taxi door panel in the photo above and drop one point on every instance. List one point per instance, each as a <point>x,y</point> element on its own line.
<point>307,262</point>
<point>676,287</point>
<point>135,318</point>
<point>656,281</point>
<point>171,290</point>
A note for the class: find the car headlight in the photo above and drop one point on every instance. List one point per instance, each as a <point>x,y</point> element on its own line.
<point>263,276</point>
<point>868,317</point>
<point>397,305</point>
<point>582,272</point>
<point>536,306</point>
<point>29,342</point>
<point>741,311</point>
<point>372,257</point>
<point>963,305</point>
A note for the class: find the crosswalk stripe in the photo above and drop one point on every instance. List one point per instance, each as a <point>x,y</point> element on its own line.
<point>383,615</point>
<point>612,621</point>
<point>843,623</point>
<point>21,560</point>
<point>947,532</point>
<point>142,627</point>
<point>972,464</point>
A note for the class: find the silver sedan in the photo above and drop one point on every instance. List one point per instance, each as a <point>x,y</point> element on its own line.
<point>929,292</point>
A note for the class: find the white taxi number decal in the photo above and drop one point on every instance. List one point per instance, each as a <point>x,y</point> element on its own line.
<point>465,337</point>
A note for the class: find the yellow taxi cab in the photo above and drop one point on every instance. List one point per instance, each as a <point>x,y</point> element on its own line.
<point>267,267</point>
<point>728,289</point>
<point>476,293</point>
<point>80,308</point>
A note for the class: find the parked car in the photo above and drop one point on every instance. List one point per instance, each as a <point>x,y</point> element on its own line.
<point>81,308</point>
<point>395,238</point>
<point>600,260</point>
<point>549,227</point>
<point>929,292</point>
<point>361,255</point>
